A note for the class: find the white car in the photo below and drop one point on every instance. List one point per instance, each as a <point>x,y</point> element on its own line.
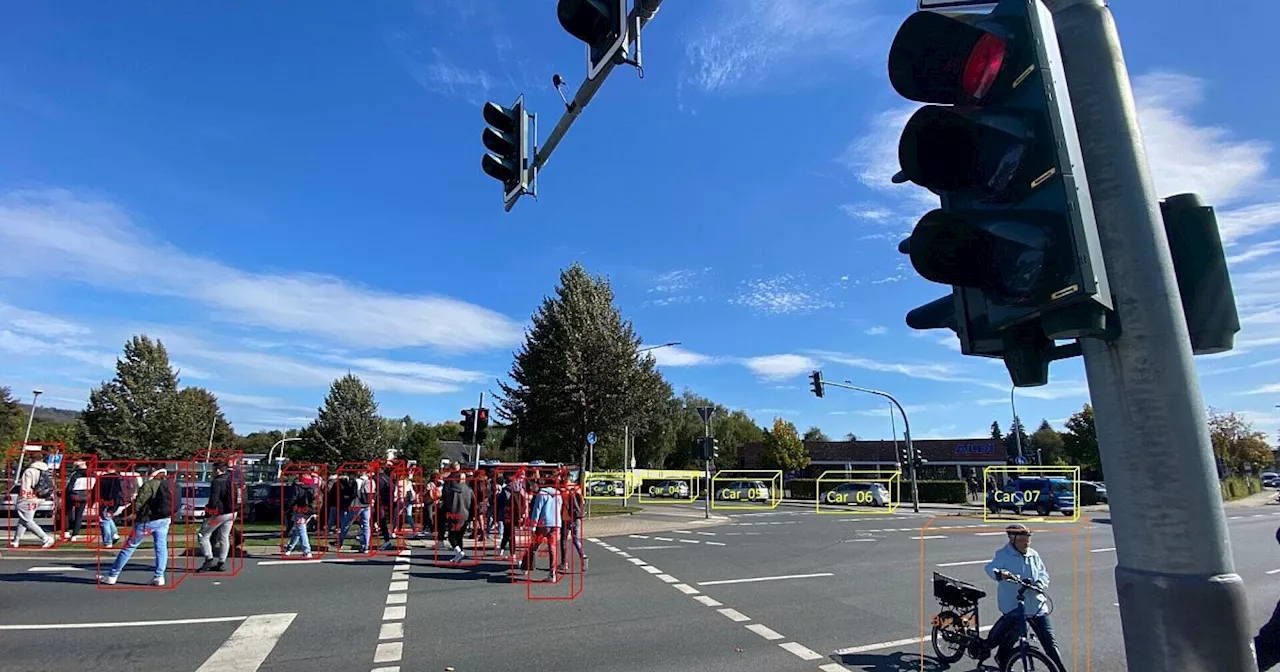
<point>192,498</point>
<point>745,491</point>
<point>676,489</point>
<point>858,494</point>
<point>606,488</point>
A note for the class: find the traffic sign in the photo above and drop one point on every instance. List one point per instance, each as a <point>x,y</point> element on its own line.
<point>1020,460</point>
<point>705,413</point>
<point>54,460</point>
<point>591,438</point>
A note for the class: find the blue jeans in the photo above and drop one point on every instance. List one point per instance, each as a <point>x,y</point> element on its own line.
<point>298,535</point>
<point>159,531</point>
<point>107,525</point>
<point>347,515</point>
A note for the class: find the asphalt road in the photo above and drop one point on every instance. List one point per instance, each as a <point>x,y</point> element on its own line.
<point>856,595</point>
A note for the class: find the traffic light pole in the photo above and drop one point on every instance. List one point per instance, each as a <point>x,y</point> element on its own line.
<point>641,14</point>
<point>1182,604</point>
<point>906,435</point>
<point>475,428</point>
<point>706,464</point>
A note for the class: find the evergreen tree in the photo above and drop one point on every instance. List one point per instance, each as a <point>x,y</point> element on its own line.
<point>194,412</point>
<point>996,434</point>
<point>12,423</point>
<point>578,372</point>
<point>1016,437</point>
<point>137,414</point>
<point>347,427</point>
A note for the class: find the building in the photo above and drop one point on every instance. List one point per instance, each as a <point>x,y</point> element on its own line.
<point>948,459</point>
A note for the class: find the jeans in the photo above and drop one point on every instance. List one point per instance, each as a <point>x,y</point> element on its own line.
<point>571,531</point>
<point>107,525</point>
<point>1008,628</point>
<point>222,525</point>
<point>298,534</point>
<point>347,516</point>
<point>159,531</point>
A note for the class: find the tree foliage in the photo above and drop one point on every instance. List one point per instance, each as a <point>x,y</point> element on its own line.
<point>11,420</point>
<point>347,427</point>
<point>783,448</point>
<point>996,434</point>
<point>815,434</point>
<point>1235,440</point>
<point>1047,442</point>
<point>1016,437</point>
<point>1080,442</point>
<point>578,371</point>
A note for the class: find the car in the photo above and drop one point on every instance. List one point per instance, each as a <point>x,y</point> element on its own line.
<point>192,500</point>
<point>1039,494</point>
<point>749,491</point>
<point>1270,479</point>
<point>858,494</point>
<point>603,488</point>
<point>673,489</point>
<point>1101,489</point>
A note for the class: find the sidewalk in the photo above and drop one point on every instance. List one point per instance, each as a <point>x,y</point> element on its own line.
<point>1264,498</point>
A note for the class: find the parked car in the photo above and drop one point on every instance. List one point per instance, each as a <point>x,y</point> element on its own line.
<point>675,489</point>
<point>1042,495</point>
<point>1101,489</point>
<point>192,499</point>
<point>1270,479</point>
<point>606,488</point>
<point>749,491</point>
<point>858,494</point>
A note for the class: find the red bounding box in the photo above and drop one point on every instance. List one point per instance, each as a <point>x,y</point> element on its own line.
<point>408,521</point>
<point>382,513</point>
<point>303,506</point>
<point>26,506</point>
<point>203,517</point>
<point>451,526</point>
<point>131,476</point>
<point>547,490</point>
<point>358,493</point>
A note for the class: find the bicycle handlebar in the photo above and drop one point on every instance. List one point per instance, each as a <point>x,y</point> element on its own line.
<point>1024,583</point>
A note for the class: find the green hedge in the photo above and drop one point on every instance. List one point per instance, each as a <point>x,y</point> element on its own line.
<point>935,492</point>
<point>1235,487</point>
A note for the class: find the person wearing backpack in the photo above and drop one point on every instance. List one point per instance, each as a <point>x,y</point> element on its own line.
<point>152,513</point>
<point>219,516</point>
<point>303,510</point>
<point>79,487</point>
<point>361,498</point>
<point>35,486</point>
<point>544,517</point>
<point>571,530</point>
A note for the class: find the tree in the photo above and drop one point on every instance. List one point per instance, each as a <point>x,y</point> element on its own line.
<point>1048,443</point>
<point>259,443</point>
<point>347,427</point>
<point>1080,442</point>
<point>136,415</point>
<point>193,412</point>
<point>1235,440</point>
<point>850,437</point>
<point>578,371</point>
<point>1017,436</point>
<point>996,434</point>
<point>735,430</point>
<point>783,448</point>
<point>11,420</point>
<point>422,446</point>
<point>815,434</point>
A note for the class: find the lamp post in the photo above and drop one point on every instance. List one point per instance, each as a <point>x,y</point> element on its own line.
<point>27,437</point>
<point>280,443</point>
<point>906,436</point>
<point>626,433</point>
<point>1017,424</point>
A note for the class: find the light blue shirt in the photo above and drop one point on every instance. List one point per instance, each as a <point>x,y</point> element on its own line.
<point>1029,567</point>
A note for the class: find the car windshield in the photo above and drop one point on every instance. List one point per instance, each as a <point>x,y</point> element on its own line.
<point>1062,487</point>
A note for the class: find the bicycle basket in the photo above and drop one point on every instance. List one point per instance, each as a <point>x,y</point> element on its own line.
<point>955,593</point>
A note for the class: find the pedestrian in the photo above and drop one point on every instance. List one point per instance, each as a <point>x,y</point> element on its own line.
<point>457,505</point>
<point>544,516</point>
<point>361,499</point>
<point>219,516</point>
<point>385,510</point>
<point>571,528</point>
<point>34,488</point>
<point>502,513</point>
<point>111,503</point>
<point>1267,643</point>
<point>152,513</point>
<point>1018,560</point>
<point>79,487</point>
<point>302,510</point>
<point>334,498</point>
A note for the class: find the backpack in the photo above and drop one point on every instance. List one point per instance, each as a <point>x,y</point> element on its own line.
<point>44,484</point>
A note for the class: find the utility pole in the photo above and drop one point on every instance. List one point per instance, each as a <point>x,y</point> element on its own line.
<point>35,394</point>
<point>906,436</point>
<point>475,428</point>
<point>1182,604</point>
<point>1017,424</point>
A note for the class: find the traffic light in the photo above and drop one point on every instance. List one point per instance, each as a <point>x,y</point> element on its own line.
<point>816,379</point>
<point>601,24</point>
<point>507,139</point>
<point>468,426</point>
<point>904,456</point>
<point>1015,234</point>
<point>482,424</point>
<point>917,459</point>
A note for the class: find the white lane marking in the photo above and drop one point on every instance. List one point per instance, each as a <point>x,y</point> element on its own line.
<point>733,615</point>
<point>804,652</point>
<point>854,541</point>
<point>54,568</point>
<point>961,564</point>
<point>398,587</point>
<point>124,624</point>
<point>397,598</point>
<point>593,539</point>
<point>663,539</point>
<point>392,668</point>
<point>686,589</point>
<point>710,602</point>
<point>636,561</point>
<point>986,534</point>
<point>713,543</point>
<point>393,613</point>
<point>706,534</point>
<point>829,667</point>
<point>930,536</point>
<point>623,554</point>
<point>651,548</point>
<point>682,531</point>
<point>667,578</point>
<point>888,645</point>
<point>638,536</point>
<point>764,631</point>
<point>765,578</point>
<point>1273,571</point>
<point>388,652</point>
<point>651,569</point>
<point>392,630</point>
<point>399,576</point>
<point>249,645</point>
<point>268,563</point>
<point>1234,517</point>
<point>1100,550</point>
<point>688,541</point>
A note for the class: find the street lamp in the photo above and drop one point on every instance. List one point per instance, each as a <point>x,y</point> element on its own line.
<point>280,443</point>
<point>27,437</point>
<point>906,435</point>
<point>627,466</point>
<point>1017,435</point>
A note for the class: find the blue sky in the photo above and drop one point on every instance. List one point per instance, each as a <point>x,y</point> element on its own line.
<point>287,191</point>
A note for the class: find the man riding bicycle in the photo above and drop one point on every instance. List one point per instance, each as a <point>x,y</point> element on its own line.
<point>1018,560</point>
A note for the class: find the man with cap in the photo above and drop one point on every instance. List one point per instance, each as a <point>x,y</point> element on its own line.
<point>152,513</point>
<point>1019,561</point>
<point>219,515</point>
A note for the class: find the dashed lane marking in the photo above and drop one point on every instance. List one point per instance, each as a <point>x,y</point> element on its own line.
<point>249,645</point>
<point>889,645</point>
<point>804,652</point>
<point>390,647</point>
<point>765,631</point>
<point>734,615</point>
<point>765,578</point>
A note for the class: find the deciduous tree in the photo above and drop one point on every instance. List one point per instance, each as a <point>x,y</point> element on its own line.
<point>815,434</point>
<point>783,448</point>
<point>1048,442</point>
<point>1235,440</point>
<point>1080,441</point>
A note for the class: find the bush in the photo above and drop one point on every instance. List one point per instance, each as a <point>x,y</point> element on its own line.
<point>1235,487</point>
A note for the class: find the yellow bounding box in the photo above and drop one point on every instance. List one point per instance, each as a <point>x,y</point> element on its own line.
<point>682,489</point>
<point>1035,490</point>
<point>866,492</point>
<point>746,489</point>
<point>607,485</point>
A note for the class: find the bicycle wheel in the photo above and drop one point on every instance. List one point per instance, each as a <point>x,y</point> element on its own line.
<point>949,637</point>
<point>1029,660</point>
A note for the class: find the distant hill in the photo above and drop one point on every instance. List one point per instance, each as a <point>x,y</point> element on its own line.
<point>59,416</point>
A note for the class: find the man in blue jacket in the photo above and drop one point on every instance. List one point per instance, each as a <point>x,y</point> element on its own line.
<point>1018,560</point>
<point>544,518</point>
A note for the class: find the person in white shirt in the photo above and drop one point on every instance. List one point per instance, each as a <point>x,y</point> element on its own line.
<point>1018,560</point>
<point>34,487</point>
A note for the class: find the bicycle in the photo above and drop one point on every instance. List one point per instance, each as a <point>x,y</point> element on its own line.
<point>957,626</point>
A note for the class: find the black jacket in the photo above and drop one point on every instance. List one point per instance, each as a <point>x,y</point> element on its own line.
<point>220,496</point>
<point>110,491</point>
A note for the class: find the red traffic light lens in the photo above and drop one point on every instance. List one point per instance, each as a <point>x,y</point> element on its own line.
<point>982,66</point>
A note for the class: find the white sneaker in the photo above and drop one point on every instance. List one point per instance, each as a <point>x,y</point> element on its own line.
<point>107,579</point>
<point>306,555</point>
<point>14,544</point>
<point>158,581</point>
<point>66,536</point>
<point>458,555</point>
<point>48,541</point>
<point>290,554</point>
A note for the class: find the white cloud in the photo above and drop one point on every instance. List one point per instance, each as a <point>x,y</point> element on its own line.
<point>1058,390</point>
<point>436,72</point>
<point>884,411</point>
<point>54,233</point>
<point>186,371</point>
<point>943,432</point>
<point>783,294</point>
<point>1273,388</point>
<point>259,402</point>
<point>876,331</point>
<point>927,371</point>
<point>676,356</point>
<point>674,282</point>
<point>755,43</point>
<point>776,367</point>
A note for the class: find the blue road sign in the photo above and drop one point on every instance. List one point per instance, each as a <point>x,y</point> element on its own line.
<point>54,460</point>
<point>1020,460</point>
<point>591,438</point>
